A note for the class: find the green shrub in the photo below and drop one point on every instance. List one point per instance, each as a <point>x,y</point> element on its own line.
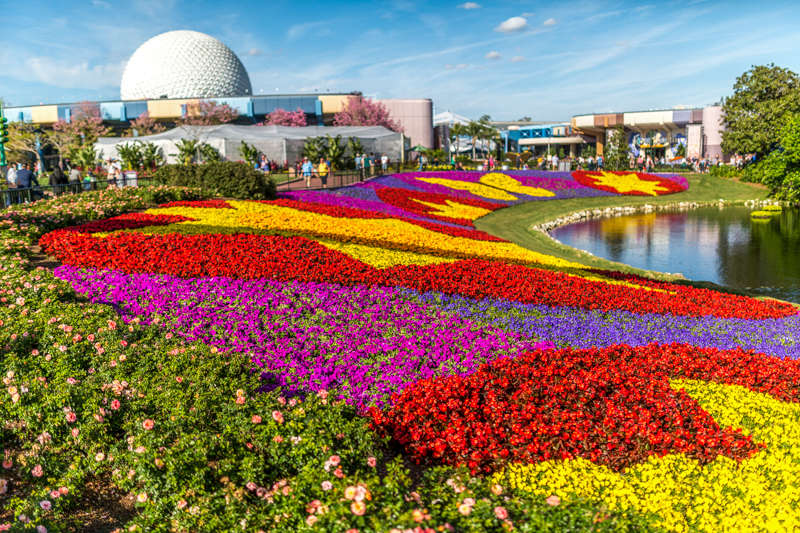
<point>725,172</point>
<point>228,179</point>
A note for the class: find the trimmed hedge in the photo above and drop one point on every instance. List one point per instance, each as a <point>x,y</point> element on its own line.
<point>228,179</point>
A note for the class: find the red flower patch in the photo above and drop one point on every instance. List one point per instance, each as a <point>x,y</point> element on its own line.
<point>129,221</point>
<point>298,258</point>
<point>613,406</point>
<point>590,179</point>
<point>210,204</point>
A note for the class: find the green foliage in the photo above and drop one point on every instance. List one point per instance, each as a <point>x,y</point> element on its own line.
<point>209,153</point>
<point>780,170</point>
<point>228,179</point>
<point>334,152</point>
<point>725,171</point>
<point>84,157</point>
<point>313,148</point>
<point>589,150</point>
<point>131,155</point>
<point>249,153</point>
<point>152,157</point>
<point>616,154</point>
<point>680,151</point>
<point>762,98</point>
<point>354,146</point>
<point>187,150</point>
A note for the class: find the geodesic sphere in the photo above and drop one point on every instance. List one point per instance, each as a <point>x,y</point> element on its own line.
<point>183,64</point>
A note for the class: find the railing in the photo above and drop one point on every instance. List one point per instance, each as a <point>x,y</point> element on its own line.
<point>17,196</point>
<point>335,179</point>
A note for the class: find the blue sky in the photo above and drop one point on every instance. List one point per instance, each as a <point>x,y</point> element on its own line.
<point>507,59</point>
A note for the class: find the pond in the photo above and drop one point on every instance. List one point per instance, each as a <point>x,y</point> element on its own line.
<point>719,244</point>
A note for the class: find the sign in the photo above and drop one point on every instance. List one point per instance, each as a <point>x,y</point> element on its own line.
<point>694,141</point>
<point>130,178</point>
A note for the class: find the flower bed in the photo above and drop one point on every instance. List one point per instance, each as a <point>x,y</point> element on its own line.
<point>629,183</point>
<point>216,360</point>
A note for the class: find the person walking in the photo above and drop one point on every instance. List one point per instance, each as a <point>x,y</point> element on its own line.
<point>322,172</point>
<point>307,169</point>
<point>555,162</point>
<point>367,165</point>
<point>56,179</point>
<point>11,183</point>
<point>26,180</point>
<point>384,163</point>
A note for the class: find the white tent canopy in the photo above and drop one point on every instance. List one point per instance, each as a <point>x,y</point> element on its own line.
<point>280,143</point>
<point>447,117</point>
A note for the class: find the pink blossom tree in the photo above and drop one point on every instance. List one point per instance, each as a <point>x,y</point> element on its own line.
<point>360,111</point>
<point>85,125</point>
<point>207,113</point>
<point>144,125</point>
<point>281,117</point>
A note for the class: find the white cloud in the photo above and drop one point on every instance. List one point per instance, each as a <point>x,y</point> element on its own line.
<point>494,56</point>
<point>550,22</point>
<point>528,14</point>
<point>254,52</point>
<point>518,59</point>
<point>460,65</point>
<point>320,27</point>
<point>469,5</point>
<point>68,74</point>
<point>513,25</point>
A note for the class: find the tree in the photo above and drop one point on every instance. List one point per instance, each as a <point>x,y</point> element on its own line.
<point>475,130</point>
<point>456,132</point>
<point>249,153</point>
<point>360,111</point>
<point>61,141</point>
<point>209,153</point>
<point>187,149</point>
<point>616,155</point>
<point>334,151</point>
<point>281,117</point>
<point>207,113</point>
<point>85,125</point>
<point>313,148</point>
<point>525,119</point>
<point>143,126</point>
<point>131,155</point>
<point>781,168</point>
<point>762,98</point>
<point>26,138</point>
<point>151,156</point>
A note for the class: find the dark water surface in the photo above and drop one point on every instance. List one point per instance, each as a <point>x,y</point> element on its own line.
<point>719,244</point>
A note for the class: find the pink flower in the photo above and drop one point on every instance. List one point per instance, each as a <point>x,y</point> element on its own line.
<point>251,486</point>
<point>71,381</point>
<point>497,490</point>
<point>334,460</point>
<point>140,449</point>
<point>99,418</point>
<point>500,513</point>
<point>99,457</point>
<point>142,497</point>
<point>358,508</point>
<point>469,501</point>
<point>277,439</point>
<point>338,473</point>
<point>327,485</point>
<point>55,494</point>
<point>277,416</point>
<point>240,400</point>
<point>371,461</point>
<point>123,343</point>
<point>90,338</point>
<point>46,505</point>
<point>464,509</point>
<point>148,424</point>
<point>63,490</point>
<point>76,432</point>
<point>8,463</point>
<point>179,379</point>
<point>256,419</point>
<point>311,520</point>
<point>282,400</point>
<point>182,503</point>
<point>37,471</point>
<point>41,529</point>
<point>62,348</point>
<point>553,500</point>
<point>322,394</point>
<point>71,417</point>
<point>115,404</point>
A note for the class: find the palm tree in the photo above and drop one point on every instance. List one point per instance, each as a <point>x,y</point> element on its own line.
<point>186,150</point>
<point>456,131</point>
<point>334,152</point>
<point>474,130</point>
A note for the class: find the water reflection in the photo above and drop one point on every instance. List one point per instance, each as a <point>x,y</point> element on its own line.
<point>723,245</point>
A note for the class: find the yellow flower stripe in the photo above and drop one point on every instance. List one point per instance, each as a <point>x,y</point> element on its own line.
<point>474,188</point>
<point>508,183</point>
<point>759,494</point>
<point>383,258</point>
<point>455,210</point>
<point>629,183</point>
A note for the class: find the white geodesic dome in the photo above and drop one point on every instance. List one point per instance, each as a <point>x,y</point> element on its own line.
<point>183,64</point>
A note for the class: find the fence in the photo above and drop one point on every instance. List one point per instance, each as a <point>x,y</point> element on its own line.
<point>294,182</point>
<point>31,194</point>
